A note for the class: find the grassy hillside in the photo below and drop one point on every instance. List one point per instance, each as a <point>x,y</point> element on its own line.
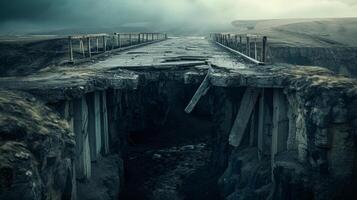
<point>339,32</point>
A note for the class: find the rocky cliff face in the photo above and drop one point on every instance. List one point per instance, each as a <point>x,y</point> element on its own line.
<point>36,150</point>
<point>317,156</point>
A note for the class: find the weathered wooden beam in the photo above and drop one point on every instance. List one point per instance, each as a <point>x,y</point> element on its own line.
<point>201,91</point>
<point>245,111</point>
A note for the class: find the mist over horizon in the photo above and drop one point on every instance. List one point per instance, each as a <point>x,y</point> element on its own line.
<point>173,16</point>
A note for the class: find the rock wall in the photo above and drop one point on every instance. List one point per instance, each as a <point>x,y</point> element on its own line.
<point>36,150</point>
<point>309,145</point>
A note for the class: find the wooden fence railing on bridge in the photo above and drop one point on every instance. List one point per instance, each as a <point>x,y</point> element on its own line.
<point>85,46</point>
<point>251,47</point>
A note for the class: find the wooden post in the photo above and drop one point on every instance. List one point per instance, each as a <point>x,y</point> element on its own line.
<point>81,47</point>
<point>70,49</point>
<point>240,44</point>
<point>104,44</point>
<point>236,41</point>
<point>264,49</point>
<point>248,47</point>
<point>152,36</point>
<point>255,49</point>
<point>97,39</point>
<point>89,47</point>
<point>113,40</point>
<point>119,40</point>
<point>228,40</point>
<point>147,37</point>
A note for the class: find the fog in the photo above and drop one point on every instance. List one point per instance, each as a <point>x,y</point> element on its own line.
<point>35,16</point>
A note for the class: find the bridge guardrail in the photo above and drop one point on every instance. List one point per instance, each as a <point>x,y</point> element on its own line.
<point>107,42</point>
<point>251,47</point>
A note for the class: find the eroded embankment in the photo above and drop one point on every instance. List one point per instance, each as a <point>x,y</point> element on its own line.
<point>252,136</point>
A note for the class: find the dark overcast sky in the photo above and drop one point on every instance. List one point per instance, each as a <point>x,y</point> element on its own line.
<point>33,15</point>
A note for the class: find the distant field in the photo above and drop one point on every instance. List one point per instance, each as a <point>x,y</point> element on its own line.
<point>337,32</point>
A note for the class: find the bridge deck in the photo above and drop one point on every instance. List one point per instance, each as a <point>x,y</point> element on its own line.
<point>120,70</point>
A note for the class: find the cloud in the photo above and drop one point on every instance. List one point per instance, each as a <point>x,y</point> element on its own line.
<point>168,14</point>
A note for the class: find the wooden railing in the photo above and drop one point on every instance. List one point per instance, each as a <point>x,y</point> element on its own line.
<point>251,47</point>
<point>95,44</point>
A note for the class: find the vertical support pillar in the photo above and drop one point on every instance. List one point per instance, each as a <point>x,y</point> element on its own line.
<point>119,40</point>
<point>82,159</point>
<point>94,124</point>
<point>280,124</point>
<point>104,123</point>
<point>130,42</point>
<point>89,47</point>
<point>152,36</point>
<point>70,49</point>
<point>264,49</point>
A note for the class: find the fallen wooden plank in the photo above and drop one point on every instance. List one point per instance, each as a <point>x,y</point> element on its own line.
<point>245,111</point>
<point>201,91</point>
